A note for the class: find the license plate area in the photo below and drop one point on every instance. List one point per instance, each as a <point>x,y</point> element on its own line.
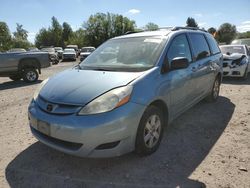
<point>43,127</point>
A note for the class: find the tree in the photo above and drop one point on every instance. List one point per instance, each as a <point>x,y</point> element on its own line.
<point>100,27</point>
<point>226,33</point>
<point>20,33</point>
<point>78,38</point>
<point>66,33</point>
<point>51,36</point>
<point>56,32</point>
<point>20,38</point>
<point>151,26</point>
<point>211,30</point>
<point>5,37</point>
<point>191,22</point>
<point>243,35</point>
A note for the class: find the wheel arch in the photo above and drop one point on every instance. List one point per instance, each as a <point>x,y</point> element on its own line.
<point>29,63</point>
<point>163,107</point>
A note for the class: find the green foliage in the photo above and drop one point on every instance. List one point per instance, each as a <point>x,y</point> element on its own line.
<point>78,38</point>
<point>5,37</point>
<point>20,33</point>
<point>151,26</point>
<point>20,43</point>
<point>67,32</point>
<point>191,22</point>
<point>211,30</point>
<point>53,36</point>
<point>243,35</point>
<point>100,27</point>
<point>226,33</point>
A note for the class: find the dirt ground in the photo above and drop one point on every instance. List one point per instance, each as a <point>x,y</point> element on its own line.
<point>207,146</point>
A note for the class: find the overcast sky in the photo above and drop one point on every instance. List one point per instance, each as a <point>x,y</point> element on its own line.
<point>35,14</point>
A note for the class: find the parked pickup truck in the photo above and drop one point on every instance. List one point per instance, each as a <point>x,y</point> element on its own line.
<point>26,65</point>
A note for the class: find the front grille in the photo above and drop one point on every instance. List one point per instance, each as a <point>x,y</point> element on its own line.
<point>60,143</point>
<point>56,108</point>
<point>225,73</point>
<point>224,64</point>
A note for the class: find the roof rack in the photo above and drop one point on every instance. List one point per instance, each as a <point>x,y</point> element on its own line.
<point>190,28</point>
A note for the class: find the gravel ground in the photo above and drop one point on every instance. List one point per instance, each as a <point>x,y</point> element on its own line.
<point>207,146</point>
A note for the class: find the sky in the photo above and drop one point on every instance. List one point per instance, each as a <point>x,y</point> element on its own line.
<point>36,14</point>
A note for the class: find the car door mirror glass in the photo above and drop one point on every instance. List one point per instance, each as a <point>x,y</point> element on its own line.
<point>179,63</point>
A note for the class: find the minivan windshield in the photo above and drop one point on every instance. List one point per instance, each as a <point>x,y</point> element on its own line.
<point>126,54</point>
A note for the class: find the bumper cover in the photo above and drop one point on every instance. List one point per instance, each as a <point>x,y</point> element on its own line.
<point>86,133</point>
<point>237,71</point>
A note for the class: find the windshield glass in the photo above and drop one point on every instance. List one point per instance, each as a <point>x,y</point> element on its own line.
<point>48,49</point>
<point>128,54</point>
<point>87,49</point>
<point>232,49</point>
<point>69,50</point>
<point>17,50</point>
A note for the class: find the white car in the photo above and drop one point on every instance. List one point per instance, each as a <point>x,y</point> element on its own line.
<point>236,60</point>
<point>69,54</point>
<point>85,51</point>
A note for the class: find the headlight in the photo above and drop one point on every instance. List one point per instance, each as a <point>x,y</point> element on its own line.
<point>39,88</point>
<point>108,101</point>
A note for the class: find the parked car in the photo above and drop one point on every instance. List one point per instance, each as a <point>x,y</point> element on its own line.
<point>236,60</point>
<point>59,51</point>
<point>75,47</point>
<point>111,105</point>
<point>85,52</point>
<point>52,54</point>
<point>242,41</point>
<point>69,54</point>
<point>33,49</point>
<point>26,65</point>
<point>16,50</point>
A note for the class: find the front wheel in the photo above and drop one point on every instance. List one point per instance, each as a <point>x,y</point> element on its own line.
<point>30,75</point>
<point>213,96</point>
<point>150,130</point>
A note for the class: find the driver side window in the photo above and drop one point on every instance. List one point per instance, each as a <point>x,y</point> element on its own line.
<point>179,48</point>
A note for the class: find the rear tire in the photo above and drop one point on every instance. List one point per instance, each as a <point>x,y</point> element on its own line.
<point>15,77</point>
<point>150,130</point>
<point>213,96</point>
<point>30,75</point>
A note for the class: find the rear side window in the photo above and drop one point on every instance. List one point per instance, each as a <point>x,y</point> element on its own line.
<point>179,48</point>
<point>199,45</point>
<point>213,44</point>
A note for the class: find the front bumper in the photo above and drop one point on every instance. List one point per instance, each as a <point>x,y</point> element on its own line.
<point>238,71</point>
<point>66,57</point>
<point>88,136</point>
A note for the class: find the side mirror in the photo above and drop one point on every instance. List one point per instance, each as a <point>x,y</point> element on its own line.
<point>179,63</point>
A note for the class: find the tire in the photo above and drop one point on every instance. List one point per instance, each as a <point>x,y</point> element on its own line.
<point>214,94</point>
<point>15,77</point>
<point>30,75</point>
<point>149,134</point>
<point>244,77</point>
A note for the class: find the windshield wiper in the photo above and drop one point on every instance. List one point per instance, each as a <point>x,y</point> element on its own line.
<point>78,66</point>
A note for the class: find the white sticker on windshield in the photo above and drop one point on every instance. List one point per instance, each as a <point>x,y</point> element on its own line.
<point>154,40</point>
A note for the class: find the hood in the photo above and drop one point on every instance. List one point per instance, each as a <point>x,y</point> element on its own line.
<point>233,56</point>
<point>69,53</point>
<point>85,53</point>
<point>78,87</point>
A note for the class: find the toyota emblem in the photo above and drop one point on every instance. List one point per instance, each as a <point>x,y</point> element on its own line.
<point>49,107</point>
